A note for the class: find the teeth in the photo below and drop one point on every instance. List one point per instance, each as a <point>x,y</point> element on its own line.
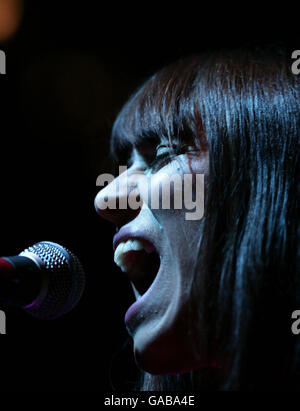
<point>124,247</point>
<point>136,293</point>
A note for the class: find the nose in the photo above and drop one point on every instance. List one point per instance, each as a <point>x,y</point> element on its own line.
<point>111,203</point>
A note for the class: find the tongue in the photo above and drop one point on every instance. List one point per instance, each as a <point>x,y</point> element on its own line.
<point>143,268</point>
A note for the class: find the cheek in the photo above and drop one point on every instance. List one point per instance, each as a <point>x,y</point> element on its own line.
<point>157,348</point>
<point>177,190</point>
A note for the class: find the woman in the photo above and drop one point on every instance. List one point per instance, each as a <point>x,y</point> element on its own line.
<point>217,292</point>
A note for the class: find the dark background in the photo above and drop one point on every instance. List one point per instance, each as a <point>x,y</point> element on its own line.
<point>70,67</point>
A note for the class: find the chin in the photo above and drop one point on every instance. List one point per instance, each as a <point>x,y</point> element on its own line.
<point>163,355</point>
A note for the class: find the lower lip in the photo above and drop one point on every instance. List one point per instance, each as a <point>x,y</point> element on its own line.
<point>134,309</point>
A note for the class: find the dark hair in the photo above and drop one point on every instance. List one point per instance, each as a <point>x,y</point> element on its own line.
<point>243,106</point>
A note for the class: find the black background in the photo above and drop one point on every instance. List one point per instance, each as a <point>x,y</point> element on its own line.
<point>70,67</point>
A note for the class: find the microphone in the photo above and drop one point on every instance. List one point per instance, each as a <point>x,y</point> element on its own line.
<point>46,280</point>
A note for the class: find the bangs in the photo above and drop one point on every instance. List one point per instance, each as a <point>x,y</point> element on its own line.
<point>203,96</point>
<point>163,109</point>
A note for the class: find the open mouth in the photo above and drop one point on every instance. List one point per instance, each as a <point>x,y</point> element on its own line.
<point>139,259</point>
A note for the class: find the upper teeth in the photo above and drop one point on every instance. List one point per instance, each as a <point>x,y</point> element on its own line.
<point>124,247</point>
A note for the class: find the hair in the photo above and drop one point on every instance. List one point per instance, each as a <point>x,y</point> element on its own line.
<point>242,105</point>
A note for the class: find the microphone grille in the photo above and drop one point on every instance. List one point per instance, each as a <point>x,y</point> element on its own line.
<point>66,280</point>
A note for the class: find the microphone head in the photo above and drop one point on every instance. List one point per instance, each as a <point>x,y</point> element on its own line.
<point>63,282</point>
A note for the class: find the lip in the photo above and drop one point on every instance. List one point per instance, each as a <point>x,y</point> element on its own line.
<point>126,234</point>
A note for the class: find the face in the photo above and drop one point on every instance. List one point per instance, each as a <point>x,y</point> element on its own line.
<point>157,247</point>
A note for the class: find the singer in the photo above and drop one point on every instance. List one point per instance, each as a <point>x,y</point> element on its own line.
<point>214,296</point>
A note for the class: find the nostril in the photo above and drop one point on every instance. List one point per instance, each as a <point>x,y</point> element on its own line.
<point>122,217</point>
<point>117,215</point>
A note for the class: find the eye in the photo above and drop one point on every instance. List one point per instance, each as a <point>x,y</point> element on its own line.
<point>162,150</point>
<point>163,155</point>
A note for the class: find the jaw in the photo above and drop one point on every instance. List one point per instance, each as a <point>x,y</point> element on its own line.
<point>160,349</point>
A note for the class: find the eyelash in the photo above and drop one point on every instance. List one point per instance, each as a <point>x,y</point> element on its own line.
<point>160,160</point>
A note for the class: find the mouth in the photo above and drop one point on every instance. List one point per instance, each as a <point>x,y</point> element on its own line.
<point>139,259</point>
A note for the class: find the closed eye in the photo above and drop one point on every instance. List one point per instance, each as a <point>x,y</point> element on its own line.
<point>165,153</point>
<point>153,159</point>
